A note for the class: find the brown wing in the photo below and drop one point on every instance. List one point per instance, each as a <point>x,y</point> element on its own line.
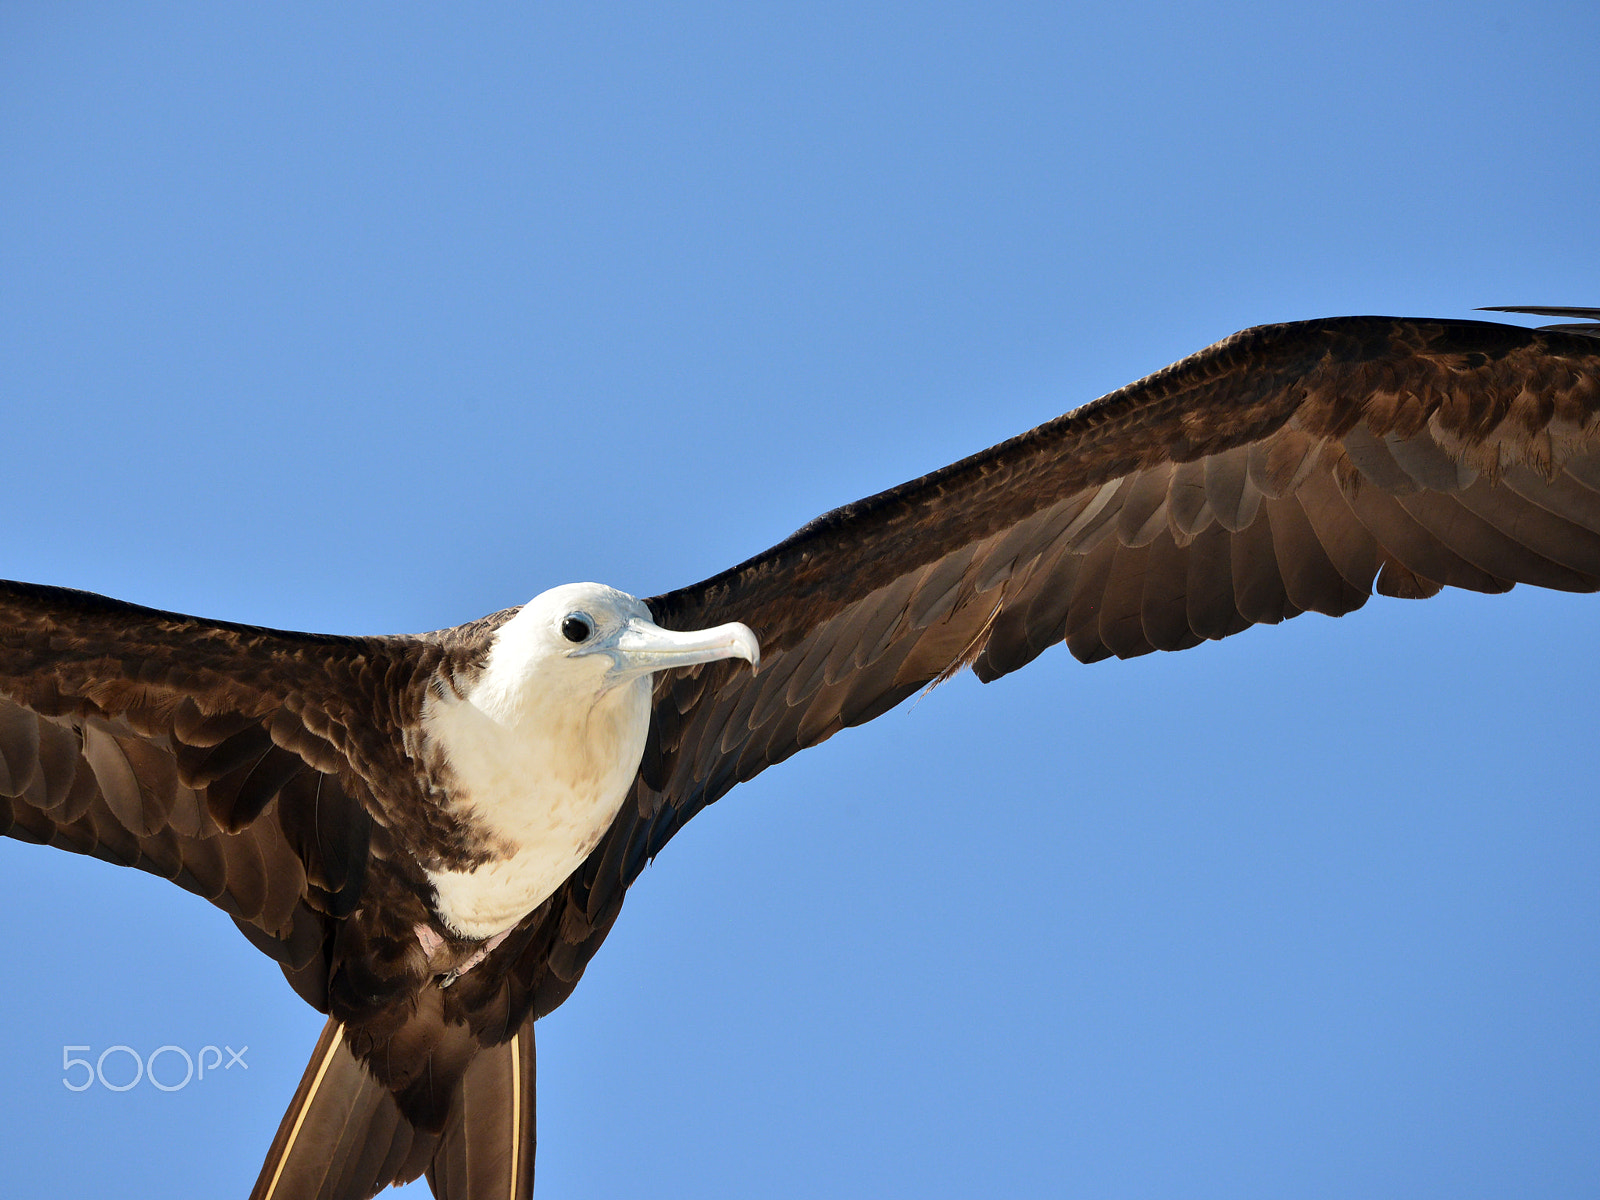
<point>227,758</point>
<point>1290,468</point>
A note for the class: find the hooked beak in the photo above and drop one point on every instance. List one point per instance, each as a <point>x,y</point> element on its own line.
<point>641,647</point>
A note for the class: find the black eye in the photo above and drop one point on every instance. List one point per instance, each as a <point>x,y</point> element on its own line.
<point>575,628</point>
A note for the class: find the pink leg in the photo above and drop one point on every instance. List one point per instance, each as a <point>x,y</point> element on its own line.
<point>430,940</point>
<point>478,956</point>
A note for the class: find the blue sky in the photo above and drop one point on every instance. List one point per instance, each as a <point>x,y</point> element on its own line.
<point>378,318</point>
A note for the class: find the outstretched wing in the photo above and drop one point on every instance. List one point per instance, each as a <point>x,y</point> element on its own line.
<point>1290,468</point>
<point>226,758</point>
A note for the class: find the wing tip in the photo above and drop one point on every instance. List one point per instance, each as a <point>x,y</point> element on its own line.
<point>1591,315</point>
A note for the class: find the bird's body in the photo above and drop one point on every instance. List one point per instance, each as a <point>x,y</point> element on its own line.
<point>432,835</point>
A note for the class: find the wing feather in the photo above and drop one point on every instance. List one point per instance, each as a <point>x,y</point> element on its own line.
<point>1312,582</point>
<point>222,757</point>
<point>1290,468</point>
<point>1162,614</point>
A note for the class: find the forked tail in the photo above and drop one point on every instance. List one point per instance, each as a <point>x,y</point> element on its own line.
<point>345,1138</point>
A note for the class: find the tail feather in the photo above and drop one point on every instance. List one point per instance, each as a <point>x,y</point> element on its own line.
<point>486,1148</point>
<point>344,1136</point>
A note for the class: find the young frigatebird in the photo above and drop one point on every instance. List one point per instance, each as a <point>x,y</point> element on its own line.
<point>433,834</point>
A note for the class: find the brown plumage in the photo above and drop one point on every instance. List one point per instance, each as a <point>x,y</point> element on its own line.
<point>282,776</point>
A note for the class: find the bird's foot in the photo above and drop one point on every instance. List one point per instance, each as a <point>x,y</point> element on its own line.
<point>478,956</point>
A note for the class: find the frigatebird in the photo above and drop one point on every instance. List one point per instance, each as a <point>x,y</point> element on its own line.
<point>432,834</point>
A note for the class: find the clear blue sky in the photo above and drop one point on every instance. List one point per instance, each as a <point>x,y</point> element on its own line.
<point>375,318</point>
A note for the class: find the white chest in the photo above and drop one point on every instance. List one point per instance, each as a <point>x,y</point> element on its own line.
<point>543,781</point>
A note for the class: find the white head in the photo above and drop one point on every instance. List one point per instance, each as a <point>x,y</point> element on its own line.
<point>585,639</point>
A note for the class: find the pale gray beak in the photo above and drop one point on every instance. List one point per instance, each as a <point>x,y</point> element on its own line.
<point>641,647</point>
